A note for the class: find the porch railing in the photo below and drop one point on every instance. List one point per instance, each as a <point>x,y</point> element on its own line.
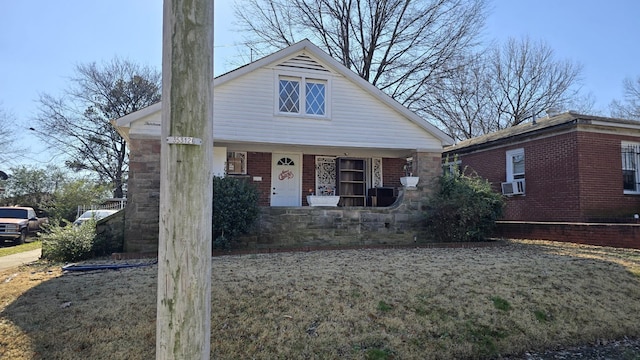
<point>113,204</point>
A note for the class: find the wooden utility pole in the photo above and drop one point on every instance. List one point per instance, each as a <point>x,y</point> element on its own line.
<point>186,182</point>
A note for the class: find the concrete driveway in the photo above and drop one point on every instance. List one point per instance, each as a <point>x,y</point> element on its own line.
<point>15,260</point>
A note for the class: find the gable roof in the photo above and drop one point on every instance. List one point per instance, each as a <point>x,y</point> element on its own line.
<point>551,124</point>
<point>292,57</point>
<point>336,66</point>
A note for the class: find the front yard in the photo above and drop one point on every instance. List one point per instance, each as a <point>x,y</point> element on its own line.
<point>434,303</point>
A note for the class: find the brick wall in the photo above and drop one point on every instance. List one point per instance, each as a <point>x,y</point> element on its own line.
<point>574,176</point>
<point>392,171</point>
<point>308,177</point>
<point>599,234</point>
<point>259,165</point>
<point>602,194</point>
<point>550,175</point>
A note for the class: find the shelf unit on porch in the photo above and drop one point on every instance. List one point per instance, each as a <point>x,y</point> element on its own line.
<point>351,181</point>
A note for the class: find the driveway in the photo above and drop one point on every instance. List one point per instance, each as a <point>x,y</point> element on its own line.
<point>15,260</point>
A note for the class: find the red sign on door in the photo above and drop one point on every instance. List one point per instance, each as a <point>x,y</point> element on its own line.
<point>285,175</point>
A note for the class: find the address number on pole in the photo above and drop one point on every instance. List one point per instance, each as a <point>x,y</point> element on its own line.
<point>184,140</point>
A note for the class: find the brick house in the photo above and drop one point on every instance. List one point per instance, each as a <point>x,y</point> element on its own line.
<point>563,168</point>
<point>294,123</point>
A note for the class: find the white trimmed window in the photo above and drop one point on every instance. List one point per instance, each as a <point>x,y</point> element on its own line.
<point>515,165</point>
<point>630,172</point>
<point>451,167</point>
<point>515,184</point>
<point>302,96</point>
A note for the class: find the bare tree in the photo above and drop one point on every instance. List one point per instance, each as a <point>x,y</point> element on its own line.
<point>526,78</point>
<point>77,124</point>
<point>460,104</point>
<point>583,103</point>
<point>400,46</point>
<point>629,108</point>
<point>8,133</point>
<point>501,87</point>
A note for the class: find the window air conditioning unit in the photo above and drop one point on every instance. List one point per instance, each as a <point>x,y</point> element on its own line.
<point>515,187</point>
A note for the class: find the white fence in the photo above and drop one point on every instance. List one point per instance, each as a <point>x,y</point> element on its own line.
<point>112,204</point>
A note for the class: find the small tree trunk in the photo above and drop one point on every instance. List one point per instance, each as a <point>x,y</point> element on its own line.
<point>184,254</point>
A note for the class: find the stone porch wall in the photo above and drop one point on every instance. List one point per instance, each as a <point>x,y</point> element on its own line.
<point>111,231</point>
<point>294,227</point>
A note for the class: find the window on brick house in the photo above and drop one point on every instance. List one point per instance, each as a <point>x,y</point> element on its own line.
<point>514,184</point>
<point>630,159</point>
<point>515,164</point>
<point>302,96</point>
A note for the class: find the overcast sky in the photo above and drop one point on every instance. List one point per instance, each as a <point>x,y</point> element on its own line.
<point>42,40</point>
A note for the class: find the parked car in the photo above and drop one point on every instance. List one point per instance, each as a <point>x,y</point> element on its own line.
<point>18,222</point>
<point>95,214</point>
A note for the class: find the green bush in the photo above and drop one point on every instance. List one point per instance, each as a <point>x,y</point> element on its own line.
<point>235,209</point>
<point>464,208</point>
<point>68,243</point>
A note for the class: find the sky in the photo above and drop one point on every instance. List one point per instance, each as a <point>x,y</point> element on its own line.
<point>41,42</point>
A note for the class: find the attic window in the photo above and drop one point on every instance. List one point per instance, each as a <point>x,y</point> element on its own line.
<point>315,95</point>
<point>302,96</point>
<point>289,96</point>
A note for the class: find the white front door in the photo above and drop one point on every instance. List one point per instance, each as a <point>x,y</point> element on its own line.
<point>286,181</point>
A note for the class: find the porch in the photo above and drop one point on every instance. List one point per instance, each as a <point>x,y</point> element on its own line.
<point>292,226</point>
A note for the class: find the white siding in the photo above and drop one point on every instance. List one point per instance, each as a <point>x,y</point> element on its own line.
<point>147,127</point>
<point>245,111</point>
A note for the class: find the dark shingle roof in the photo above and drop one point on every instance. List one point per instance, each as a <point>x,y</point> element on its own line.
<point>546,124</point>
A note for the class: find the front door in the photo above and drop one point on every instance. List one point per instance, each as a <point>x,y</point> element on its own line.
<point>286,181</point>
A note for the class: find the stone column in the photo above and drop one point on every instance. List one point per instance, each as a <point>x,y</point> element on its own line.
<point>143,196</point>
<point>428,166</point>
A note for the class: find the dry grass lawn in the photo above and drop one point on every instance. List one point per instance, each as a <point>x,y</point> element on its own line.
<point>10,248</point>
<point>419,303</point>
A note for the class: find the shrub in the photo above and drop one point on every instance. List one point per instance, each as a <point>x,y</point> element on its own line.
<point>464,208</point>
<point>68,243</point>
<point>235,209</point>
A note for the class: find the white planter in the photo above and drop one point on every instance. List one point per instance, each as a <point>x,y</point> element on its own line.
<point>409,181</point>
<point>315,200</point>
